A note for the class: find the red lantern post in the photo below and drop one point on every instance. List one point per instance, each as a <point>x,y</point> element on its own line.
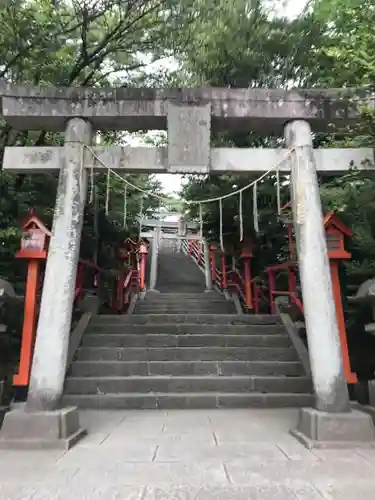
<point>213,263</point>
<point>336,232</point>
<point>224,280</point>
<point>143,251</point>
<point>34,247</point>
<point>247,255</point>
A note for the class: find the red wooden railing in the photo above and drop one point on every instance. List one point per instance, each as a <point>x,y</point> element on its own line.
<point>219,275</point>
<point>88,276</point>
<point>120,288</point>
<point>228,277</point>
<point>127,284</point>
<point>291,268</point>
<point>251,291</point>
<point>133,278</point>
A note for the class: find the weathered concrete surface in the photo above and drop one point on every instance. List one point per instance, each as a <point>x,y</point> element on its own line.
<point>319,306</point>
<point>189,137</point>
<point>155,160</point>
<point>207,266</point>
<point>188,455</point>
<point>371,387</point>
<point>155,244</point>
<point>169,236</point>
<point>318,429</point>
<point>166,223</point>
<point>262,110</point>
<point>177,273</point>
<point>53,332</point>
<point>59,429</point>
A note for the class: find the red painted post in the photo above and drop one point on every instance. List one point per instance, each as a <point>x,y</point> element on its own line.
<point>351,377</point>
<point>190,247</point>
<point>142,277</point>
<point>224,279</point>
<point>29,324</point>
<point>271,282</point>
<point>247,279</point>
<point>196,248</point>
<point>199,252</point>
<point>247,255</point>
<point>256,298</point>
<point>213,264</point>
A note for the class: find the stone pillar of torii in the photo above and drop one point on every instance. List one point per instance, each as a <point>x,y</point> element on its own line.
<point>189,115</point>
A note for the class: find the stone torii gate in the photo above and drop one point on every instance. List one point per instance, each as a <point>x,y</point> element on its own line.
<point>188,115</point>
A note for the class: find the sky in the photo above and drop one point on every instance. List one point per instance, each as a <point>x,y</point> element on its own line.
<point>290,8</point>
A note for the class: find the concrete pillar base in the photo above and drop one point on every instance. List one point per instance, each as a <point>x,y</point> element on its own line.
<point>370,410</point>
<point>371,392</point>
<point>58,429</point>
<point>90,303</point>
<point>319,429</point>
<point>3,410</point>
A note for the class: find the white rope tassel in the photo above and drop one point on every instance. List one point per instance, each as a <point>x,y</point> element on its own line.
<point>255,207</point>
<point>298,200</point>
<point>140,216</point>
<point>241,217</point>
<point>221,224</point>
<point>107,192</point>
<point>125,205</point>
<point>81,169</point>
<point>278,193</point>
<point>174,202</point>
<point>91,199</point>
<point>201,221</point>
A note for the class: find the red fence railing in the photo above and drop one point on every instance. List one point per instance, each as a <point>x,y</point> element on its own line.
<point>291,270</point>
<point>228,277</point>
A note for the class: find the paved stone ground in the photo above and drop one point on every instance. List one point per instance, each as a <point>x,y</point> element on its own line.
<point>186,455</point>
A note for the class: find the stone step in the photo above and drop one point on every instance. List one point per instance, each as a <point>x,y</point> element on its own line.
<point>187,354</point>
<point>185,303</point>
<point>191,384</point>
<point>186,401</point>
<point>186,340</point>
<point>187,307</point>
<point>181,368</point>
<point>182,310</point>
<point>200,319</point>
<point>171,298</point>
<point>180,289</point>
<point>185,329</point>
<point>184,295</point>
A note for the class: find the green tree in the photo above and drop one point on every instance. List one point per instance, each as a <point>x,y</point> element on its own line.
<point>81,43</point>
<point>330,45</point>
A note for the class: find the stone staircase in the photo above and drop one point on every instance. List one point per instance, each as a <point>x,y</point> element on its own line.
<point>185,303</point>
<point>177,273</point>
<point>186,350</point>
